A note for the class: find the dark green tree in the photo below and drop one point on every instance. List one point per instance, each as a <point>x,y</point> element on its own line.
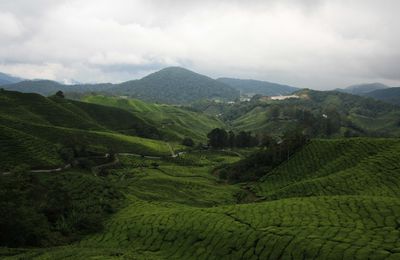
<point>59,94</point>
<point>187,141</point>
<point>231,139</point>
<point>217,138</point>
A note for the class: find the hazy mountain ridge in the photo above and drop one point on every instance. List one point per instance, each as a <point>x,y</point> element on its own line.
<point>390,95</point>
<point>169,85</point>
<point>49,87</point>
<point>361,89</point>
<point>250,86</point>
<point>8,79</point>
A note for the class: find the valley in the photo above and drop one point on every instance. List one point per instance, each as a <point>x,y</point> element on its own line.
<point>94,175</point>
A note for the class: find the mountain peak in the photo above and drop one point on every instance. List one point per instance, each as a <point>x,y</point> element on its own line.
<point>177,85</point>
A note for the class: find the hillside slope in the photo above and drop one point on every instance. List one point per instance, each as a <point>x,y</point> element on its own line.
<point>54,111</point>
<point>35,128</point>
<point>364,167</point>
<point>176,122</point>
<point>249,86</point>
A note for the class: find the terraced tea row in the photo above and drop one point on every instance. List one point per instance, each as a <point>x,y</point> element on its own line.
<point>337,167</point>
<point>341,227</point>
<point>334,199</point>
<point>17,147</point>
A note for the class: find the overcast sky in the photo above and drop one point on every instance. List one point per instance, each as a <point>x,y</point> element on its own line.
<point>319,44</point>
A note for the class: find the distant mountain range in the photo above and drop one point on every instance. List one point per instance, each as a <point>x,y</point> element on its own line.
<point>249,86</point>
<point>173,85</point>
<point>377,91</point>
<point>361,89</point>
<point>49,87</point>
<point>8,79</point>
<point>176,85</point>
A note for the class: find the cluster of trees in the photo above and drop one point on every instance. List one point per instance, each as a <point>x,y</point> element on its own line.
<point>317,122</point>
<point>264,160</point>
<point>40,210</point>
<point>220,138</point>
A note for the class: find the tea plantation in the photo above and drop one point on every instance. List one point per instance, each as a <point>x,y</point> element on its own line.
<point>333,199</point>
<point>34,128</point>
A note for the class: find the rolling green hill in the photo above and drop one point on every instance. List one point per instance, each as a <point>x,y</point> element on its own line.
<point>318,113</point>
<point>35,128</point>
<point>176,85</point>
<point>61,112</point>
<point>334,199</point>
<point>249,86</point>
<point>176,122</point>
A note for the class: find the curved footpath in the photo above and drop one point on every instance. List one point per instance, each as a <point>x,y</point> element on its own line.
<point>116,160</point>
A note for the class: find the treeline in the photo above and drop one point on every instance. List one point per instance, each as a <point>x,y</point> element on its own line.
<point>220,138</point>
<point>264,160</point>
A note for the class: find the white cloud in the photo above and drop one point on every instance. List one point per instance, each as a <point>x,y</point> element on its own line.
<point>10,27</point>
<point>314,43</point>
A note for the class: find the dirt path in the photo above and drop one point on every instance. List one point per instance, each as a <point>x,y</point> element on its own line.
<point>67,166</point>
<point>59,169</point>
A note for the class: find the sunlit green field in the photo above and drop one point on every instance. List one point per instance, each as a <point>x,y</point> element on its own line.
<point>175,121</point>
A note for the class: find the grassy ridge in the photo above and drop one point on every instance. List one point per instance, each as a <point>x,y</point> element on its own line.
<point>176,122</point>
<point>61,112</point>
<point>34,128</point>
<point>97,140</point>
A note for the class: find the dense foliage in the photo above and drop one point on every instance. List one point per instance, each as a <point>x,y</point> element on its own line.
<point>47,209</point>
<point>261,162</point>
<point>220,138</point>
